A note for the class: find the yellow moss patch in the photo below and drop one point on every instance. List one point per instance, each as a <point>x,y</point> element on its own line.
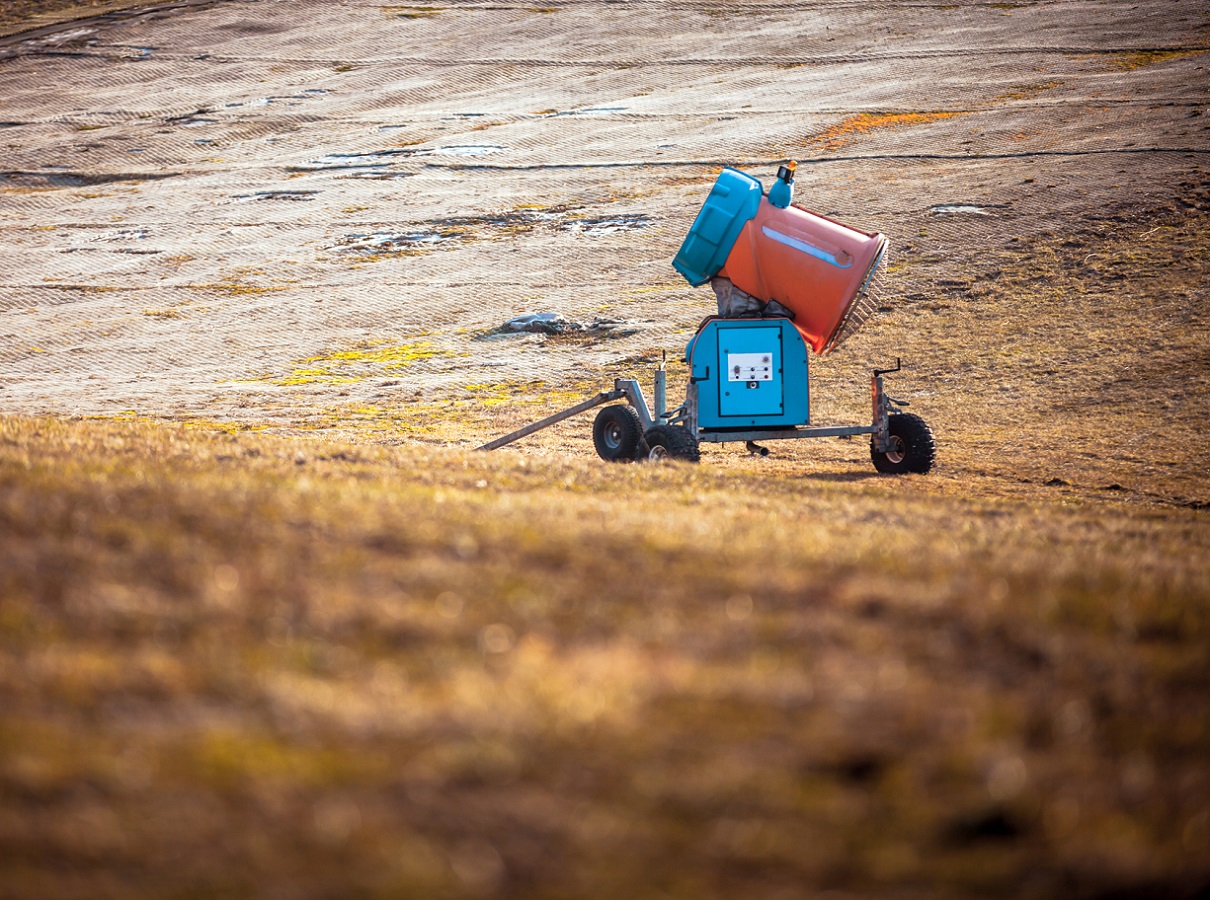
<point>388,357</point>
<point>234,288</point>
<point>365,360</point>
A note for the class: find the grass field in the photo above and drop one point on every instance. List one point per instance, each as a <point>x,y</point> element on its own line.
<point>236,663</point>
<point>335,652</point>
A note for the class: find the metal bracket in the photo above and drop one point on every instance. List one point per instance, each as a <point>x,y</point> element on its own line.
<point>898,367</point>
<point>629,388</point>
<point>881,403</point>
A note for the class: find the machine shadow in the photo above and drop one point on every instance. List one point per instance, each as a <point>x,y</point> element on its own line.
<point>841,477</point>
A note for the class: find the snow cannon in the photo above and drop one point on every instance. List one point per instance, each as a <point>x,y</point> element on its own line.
<point>786,279</point>
<point>818,269</point>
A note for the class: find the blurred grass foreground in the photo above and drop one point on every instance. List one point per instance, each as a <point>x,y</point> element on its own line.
<point>236,665</point>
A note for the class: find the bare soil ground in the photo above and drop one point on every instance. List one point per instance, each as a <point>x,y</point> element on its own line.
<point>271,628</point>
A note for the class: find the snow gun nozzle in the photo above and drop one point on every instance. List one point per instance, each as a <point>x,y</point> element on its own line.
<point>782,191</point>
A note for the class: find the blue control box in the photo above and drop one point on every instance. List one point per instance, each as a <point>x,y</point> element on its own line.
<point>750,373</point>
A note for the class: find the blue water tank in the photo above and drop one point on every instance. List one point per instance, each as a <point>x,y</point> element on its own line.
<point>732,203</point>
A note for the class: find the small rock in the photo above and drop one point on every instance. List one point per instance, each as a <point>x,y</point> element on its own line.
<point>542,323</point>
<point>553,323</point>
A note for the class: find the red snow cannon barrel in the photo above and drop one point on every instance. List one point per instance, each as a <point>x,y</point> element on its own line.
<point>817,268</point>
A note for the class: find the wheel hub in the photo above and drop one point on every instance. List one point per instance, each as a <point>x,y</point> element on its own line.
<point>897,450</point>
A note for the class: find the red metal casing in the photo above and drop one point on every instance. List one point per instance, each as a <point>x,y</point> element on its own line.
<point>812,265</point>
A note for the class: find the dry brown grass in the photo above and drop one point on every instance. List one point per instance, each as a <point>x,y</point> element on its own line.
<point>374,663</point>
<point>235,664</point>
<point>239,664</point>
<point>369,662</point>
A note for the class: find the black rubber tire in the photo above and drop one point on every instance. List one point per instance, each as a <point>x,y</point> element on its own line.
<point>662,442</point>
<point>915,447</point>
<point>616,434</point>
